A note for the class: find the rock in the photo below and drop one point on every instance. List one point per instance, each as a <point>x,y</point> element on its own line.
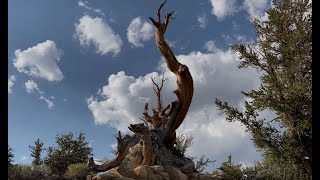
<point>182,176</point>
<point>175,174</point>
<point>128,170</point>
<point>189,166</point>
<point>114,171</point>
<point>106,176</point>
<point>140,172</point>
<point>192,176</point>
<point>126,166</point>
<point>164,175</point>
<point>129,174</point>
<point>109,176</point>
<point>157,169</point>
<point>154,177</point>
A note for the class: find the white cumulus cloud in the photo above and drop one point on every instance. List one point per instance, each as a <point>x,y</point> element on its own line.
<point>256,8</point>
<point>97,32</point>
<point>215,74</point>
<point>40,61</point>
<point>210,46</point>
<point>49,103</point>
<point>223,8</point>
<point>139,31</point>
<point>122,100</point>
<point>11,81</point>
<point>31,86</point>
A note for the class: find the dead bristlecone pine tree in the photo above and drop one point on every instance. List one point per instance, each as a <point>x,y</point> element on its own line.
<point>150,153</point>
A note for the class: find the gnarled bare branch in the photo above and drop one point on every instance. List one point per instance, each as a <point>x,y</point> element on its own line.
<point>142,130</point>
<point>123,147</point>
<point>184,91</point>
<point>159,9</point>
<point>167,19</point>
<point>157,89</point>
<point>146,116</point>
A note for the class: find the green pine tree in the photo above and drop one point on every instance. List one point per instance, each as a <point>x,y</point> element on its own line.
<point>36,151</point>
<point>68,151</point>
<point>10,156</point>
<point>283,55</point>
<point>229,170</point>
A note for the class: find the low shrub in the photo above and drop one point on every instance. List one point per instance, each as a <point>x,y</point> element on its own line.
<point>27,172</point>
<point>77,171</point>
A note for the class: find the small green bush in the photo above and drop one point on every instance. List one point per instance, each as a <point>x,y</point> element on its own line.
<point>77,171</point>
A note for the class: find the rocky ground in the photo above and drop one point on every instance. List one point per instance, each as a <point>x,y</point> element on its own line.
<point>130,171</point>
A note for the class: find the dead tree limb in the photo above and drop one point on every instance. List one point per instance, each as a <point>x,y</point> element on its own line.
<point>184,90</point>
<point>122,149</point>
<point>157,89</point>
<point>146,149</point>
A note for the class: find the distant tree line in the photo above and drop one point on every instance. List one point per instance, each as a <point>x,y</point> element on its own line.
<point>67,160</point>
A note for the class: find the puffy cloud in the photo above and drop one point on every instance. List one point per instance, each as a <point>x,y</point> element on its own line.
<point>31,86</point>
<point>122,100</point>
<point>139,31</point>
<point>210,46</point>
<point>256,8</point>
<point>202,21</point>
<point>11,81</point>
<point>215,74</point>
<point>40,61</point>
<point>223,8</point>
<point>97,32</point>
<point>212,132</point>
<point>49,103</point>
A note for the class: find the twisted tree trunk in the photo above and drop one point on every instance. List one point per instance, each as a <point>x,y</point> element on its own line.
<point>123,147</point>
<point>184,91</point>
<point>158,143</point>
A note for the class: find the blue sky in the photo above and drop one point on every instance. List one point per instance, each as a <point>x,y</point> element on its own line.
<point>85,66</point>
